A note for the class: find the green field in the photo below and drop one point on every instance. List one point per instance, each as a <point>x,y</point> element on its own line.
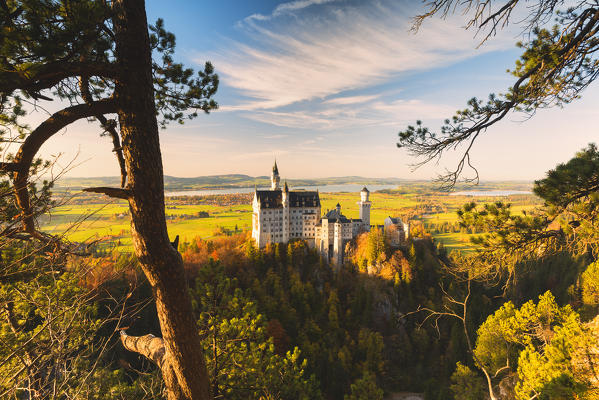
<point>109,223</point>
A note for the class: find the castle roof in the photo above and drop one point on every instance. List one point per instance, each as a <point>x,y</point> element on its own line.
<point>395,220</point>
<point>275,169</point>
<point>365,190</point>
<point>335,216</point>
<point>274,199</point>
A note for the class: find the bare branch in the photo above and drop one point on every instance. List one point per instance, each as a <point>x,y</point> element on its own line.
<point>111,192</point>
<point>34,142</point>
<point>556,66</point>
<point>109,126</point>
<point>148,346</point>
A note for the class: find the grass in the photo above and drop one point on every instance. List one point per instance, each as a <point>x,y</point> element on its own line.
<point>109,223</point>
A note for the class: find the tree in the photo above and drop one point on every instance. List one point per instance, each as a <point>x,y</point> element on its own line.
<point>590,285</point>
<point>538,342</point>
<point>365,388</point>
<point>97,57</point>
<point>567,222</point>
<point>466,384</point>
<point>242,359</point>
<point>556,65</point>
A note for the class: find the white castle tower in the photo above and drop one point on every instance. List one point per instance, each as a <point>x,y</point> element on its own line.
<point>280,215</point>
<point>364,205</point>
<point>286,211</point>
<point>274,178</point>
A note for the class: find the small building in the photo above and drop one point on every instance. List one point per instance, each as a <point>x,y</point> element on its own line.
<point>396,230</point>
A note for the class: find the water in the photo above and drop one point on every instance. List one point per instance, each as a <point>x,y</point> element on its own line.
<point>489,193</point>
<point>324,189</point>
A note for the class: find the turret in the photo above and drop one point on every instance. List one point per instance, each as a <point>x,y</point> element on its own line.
<point>338,208</point>
<point>274,178</point>
<point>286,195</point>
<point>286,218</point>
<point>364,194</point>
<point>364,205</point>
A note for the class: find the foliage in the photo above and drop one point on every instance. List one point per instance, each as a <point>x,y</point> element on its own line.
<point>556,65</point>
<point>566,223</point>
<point>73,36</point>
<point>99,59</point>
<point>57,327</point>
<point>370,248</point>
<point>365,388</point>
<point>241,358</point>
<point>344,323</point>
<point>590,284</point>
<point>571,194</point>
<point>536,341</point>
<point>466,384</point>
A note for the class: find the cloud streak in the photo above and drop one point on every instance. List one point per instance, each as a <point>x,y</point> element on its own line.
<point>286,8</point>
<point>310,57</point>
<point>329,117</point>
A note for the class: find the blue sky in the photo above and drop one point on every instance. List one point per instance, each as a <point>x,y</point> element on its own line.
<point>325,85</point>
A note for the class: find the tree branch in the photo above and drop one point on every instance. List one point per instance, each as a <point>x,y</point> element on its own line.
<point>111,192</point>
<point>109,126</point>
<point>148,346</point>
<point>554,69</point>
<point>48,75</point>
<point>33,142</point>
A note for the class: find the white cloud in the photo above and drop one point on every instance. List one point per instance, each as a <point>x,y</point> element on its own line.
<point>343,116</point>
<point>285,8</point>
<point>286,61</point>
<point>350,100</point>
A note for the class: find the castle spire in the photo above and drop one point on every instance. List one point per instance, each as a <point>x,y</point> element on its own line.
<point>274,178</point>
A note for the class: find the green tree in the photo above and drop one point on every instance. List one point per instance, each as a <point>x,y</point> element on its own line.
<point>467,384</point>
<point>556,65</point>
<point>590,284</point>
<point>365,388</point>
<point>567,222</point>
<point>47,320</point>
<point>536,341</point>
<point>97,57</point>
<point>57,327</point>
<point>241,357</point>
<point>377,246</point>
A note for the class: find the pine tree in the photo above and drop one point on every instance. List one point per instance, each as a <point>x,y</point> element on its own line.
<point>557,63</point>
<point>97,57</point>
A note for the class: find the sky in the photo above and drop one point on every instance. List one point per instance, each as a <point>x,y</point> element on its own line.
<point>324,86</point>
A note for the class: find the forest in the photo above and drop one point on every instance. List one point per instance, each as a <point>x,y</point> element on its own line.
<point>195,317</point>
<point>280,323</point>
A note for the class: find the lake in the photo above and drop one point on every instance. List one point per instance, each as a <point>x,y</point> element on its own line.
<point>324,189</point>
<point>489,193</point>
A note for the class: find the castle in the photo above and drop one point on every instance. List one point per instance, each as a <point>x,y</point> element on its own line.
<point>281,215</point>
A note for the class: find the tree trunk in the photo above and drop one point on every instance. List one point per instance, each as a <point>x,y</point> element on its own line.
<point>184,370</point>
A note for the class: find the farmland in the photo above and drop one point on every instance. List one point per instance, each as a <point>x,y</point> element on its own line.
<point>99,219</point>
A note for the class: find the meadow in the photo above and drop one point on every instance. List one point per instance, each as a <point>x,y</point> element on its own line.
<point>107,222</point>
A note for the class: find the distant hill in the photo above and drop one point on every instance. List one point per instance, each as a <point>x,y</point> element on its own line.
<point>224,182</point>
